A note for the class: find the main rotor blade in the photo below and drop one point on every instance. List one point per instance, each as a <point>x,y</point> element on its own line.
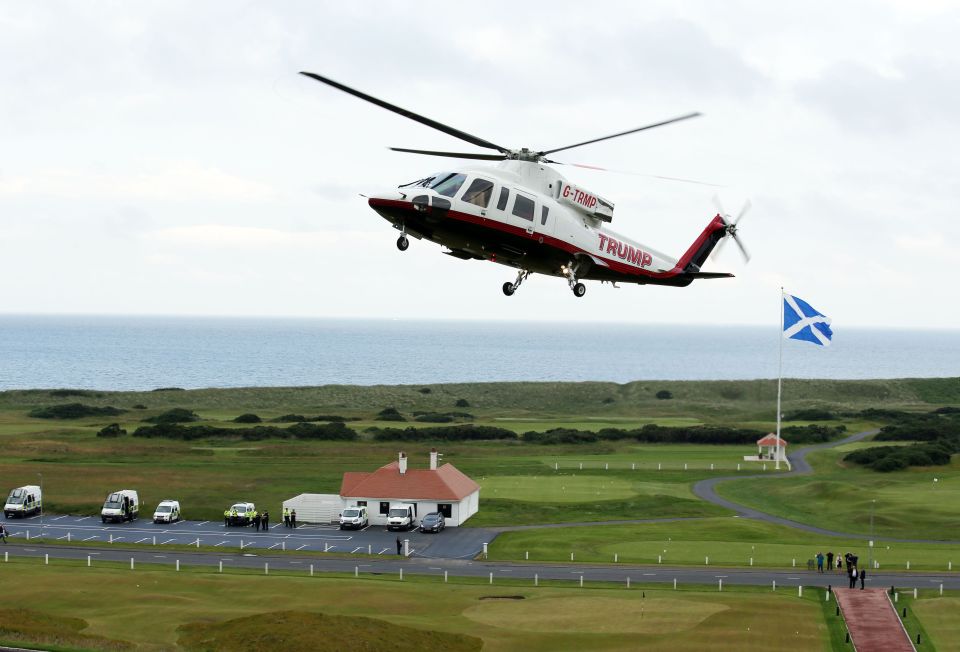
<point>635,174</point>
<point>622,133</point>
<point>456,133</point>
<point>479,157</point>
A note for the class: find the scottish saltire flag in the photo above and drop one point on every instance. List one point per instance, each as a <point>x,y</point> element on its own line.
<point>801,321</point>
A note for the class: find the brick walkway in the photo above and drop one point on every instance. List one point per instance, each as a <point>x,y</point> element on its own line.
<point>873,624</point>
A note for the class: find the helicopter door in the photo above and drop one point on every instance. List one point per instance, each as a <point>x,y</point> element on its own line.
<point>524,211</point>
<point>476,198</point>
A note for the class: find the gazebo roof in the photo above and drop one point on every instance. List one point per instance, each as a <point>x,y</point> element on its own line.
<point>770,440</point>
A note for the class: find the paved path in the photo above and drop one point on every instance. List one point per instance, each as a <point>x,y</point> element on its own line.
<point>873,624</point>
<point>517,571</point>
<point>706,489</point>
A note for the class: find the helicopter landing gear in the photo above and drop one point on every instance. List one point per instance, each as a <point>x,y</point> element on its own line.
<point>402,243</point>
<point>509,288</point>
<point>570,272</point>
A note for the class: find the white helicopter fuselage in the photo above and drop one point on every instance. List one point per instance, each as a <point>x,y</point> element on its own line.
<point>527,215</point>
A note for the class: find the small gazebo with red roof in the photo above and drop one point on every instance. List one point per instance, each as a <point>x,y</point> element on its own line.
<point>770,442</point>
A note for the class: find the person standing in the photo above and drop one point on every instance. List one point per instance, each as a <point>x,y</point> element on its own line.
<point>286,517</point>
<point>853,576</point>
<point>863,578</point>
<point>3,532</point>
<point>839,564</point>
<point>256,521</point>
<point>265,521</point>
<point>819,562</point>
<point>399,546</point>
<point>293,519</point>
<point>830,560</point>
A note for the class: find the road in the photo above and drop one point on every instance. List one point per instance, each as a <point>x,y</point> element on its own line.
<point>706,489</point>
<point>515,571</point>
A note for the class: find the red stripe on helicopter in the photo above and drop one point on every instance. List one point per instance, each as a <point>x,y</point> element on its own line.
<point>556,243</point>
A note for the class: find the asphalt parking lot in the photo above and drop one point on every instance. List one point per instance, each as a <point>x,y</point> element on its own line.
<point>452,543</point>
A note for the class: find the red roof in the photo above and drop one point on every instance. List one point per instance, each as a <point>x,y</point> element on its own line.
<point>770,440</point>
<point>446,483</point>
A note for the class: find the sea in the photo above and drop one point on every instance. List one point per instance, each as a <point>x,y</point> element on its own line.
<point>142,353</point>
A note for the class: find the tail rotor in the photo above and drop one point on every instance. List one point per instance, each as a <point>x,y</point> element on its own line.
<point>731,227</point>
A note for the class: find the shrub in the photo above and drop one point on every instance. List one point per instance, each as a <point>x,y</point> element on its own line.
<point>139,406</point>
<point>424,390</point>
<point>811,414</point>
<point>433,417</point>
<point>664,394</point>
<point>113,430</point>
<point>74,411</point>
<point>462,403</point>
<point>607,401</point>
<point>389,414</point>
<point>326,431</point>
<point>247,418</point>
<point>290,418</point>
<point>561,436</point>
<point>174,415</point>
<point>462,432</point>
<point>66,393</point>
<point>168,389</point>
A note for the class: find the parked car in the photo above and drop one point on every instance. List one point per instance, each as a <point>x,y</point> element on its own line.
<point>432,522</point>
<point>354,518</point>
<point>123,505</point>
<point>168,511</point>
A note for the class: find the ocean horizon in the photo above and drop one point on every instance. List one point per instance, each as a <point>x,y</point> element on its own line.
<point>140,353</point>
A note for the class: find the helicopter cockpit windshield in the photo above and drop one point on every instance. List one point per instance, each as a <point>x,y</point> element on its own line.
<point>444,183</point>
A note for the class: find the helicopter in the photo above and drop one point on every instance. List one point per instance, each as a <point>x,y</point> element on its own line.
<point>524,214</point>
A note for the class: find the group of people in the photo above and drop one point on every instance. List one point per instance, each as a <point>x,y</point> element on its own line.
<point>261,521</point>
<point>289,518</point>
<point>853,572</point>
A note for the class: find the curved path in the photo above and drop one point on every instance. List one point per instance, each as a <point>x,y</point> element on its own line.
<point>706,489</point>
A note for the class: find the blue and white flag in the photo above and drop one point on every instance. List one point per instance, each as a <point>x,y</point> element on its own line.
<point>801,321</point>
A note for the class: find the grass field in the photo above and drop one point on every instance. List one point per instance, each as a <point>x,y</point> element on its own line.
<point>148,608</point>
<point>726,541</point>
<point>908,504</point>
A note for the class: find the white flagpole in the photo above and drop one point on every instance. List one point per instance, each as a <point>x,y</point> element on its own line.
<point>779,381</point>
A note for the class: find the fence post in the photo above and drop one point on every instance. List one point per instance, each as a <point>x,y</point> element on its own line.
<point>628,581</point>
<point>111,538</point>
<point>485,550</point>
<point>616,557</point>
<point>220,569</point>
<point>444,577</point>
<point>401,574</point>
<point>46,559</point>
<point>131,563</point>
<point>674,583</point>
<point>720,584</point>
<point>356,571</point>
<point>88,561</point>
<point>369,548</point>
<point>571,556</point>
<point>266,568</point>
<point>154,540</point>
<point>800,591</point>
<point>178,564</point>
<point>491,577</point>
<point>536,579</point>
<point>774,585</point>
<point>914,593</point>
<point>706,561</point>
<point>526,555</point>
<point>581,581</point>
<point>311,570</point>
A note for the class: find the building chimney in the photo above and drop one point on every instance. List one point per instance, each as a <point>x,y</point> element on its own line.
<point>403,463</point>
<point>433,459</point>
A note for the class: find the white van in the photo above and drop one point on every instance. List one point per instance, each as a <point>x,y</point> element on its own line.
<point>123,505</point>
<point>402,517</point>
<point>168,511</point>
<point>354,518</point>
<point>23,501</point>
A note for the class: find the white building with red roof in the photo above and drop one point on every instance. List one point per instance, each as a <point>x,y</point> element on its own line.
<point>768,451</point>
<point>443,489</point>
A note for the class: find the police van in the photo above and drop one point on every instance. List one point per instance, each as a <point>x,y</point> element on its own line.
<point>168,511</point>
<point>123,505</point>
<point>23,502</point>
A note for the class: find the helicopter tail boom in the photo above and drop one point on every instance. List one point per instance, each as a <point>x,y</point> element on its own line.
<point>691,261</point>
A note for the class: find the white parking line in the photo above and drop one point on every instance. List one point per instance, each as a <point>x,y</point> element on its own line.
<point>649,574</point>
<point>329,548</point>
<point>302,547</point>
<point>167,541</point>
<point>117,538</point>
<point>142,540</point>
<point>296,562</point>
<point>93,537</point>
<point>83,518</point>
<point>273,546</point>
<point>203,523</point>
<point>57,518</point>
<point>383,551</point>
<point>159,556</point>
<point>63,537</point>
<point>356,549</point>
<point>219,544</point>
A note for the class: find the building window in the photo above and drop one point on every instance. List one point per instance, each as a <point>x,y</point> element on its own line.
<point>361,503</point>
<point>523,207</point>
<point>384,508</point>
<point>446,509</point>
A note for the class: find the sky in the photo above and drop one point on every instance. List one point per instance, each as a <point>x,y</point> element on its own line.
<point>165,158</point>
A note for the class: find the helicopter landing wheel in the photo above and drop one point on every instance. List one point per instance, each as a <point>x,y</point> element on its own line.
<point>402,243</point>
<point>579,290</point>
<point>509,288</point>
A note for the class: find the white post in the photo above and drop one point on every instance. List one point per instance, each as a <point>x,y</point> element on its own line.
<point>581,466</point>
<point>659,559</point>
<point>556,467</point>
<point>738,467</point>
<point>131,563</point>
<point>571,556</point>
<point>266,568</point>
<point>800,591</point>
<point>178,564</point>
<point>706,561</point>
<point>283,545</point>
<point>720,584</point>
<point>633,466</point>
<point>444,577</point>
<point>406,547</point>
<point>356,571</point>
<point>485,550</point>
<point>826,596</point>
<point>684,466</point>
<point>220,569</point>
<point>751,561</point>
<point>241,544</point>
<point>941,589</point>
<point>154,540</point>
<point>536,579</point>
<point>198,542</point>
<point>46,559</point>
<point>779,384</point>
<point>908,564</point>
<point>369,548</point>
<point>711,466</point>
<point>674,583</point>
<point>616,557</point>
<point>949,565</point>
<point>774,585</point>
<point>526,555</point>
<point>896,597</point>
<point>581,581</point>
<point>628,582</point>
<point>311,570</point>
<point>111,538</point>
<point>491,578</point>
<point>401,574</point>
<point>794,563</point>
<point>88,561</point>
<point>764,467</point>
<point>28,535</point>
<point>914,593</point>
<point>658,466</point>
<point>606,466</point>
<point>324,546</point>
<point>68,537</point>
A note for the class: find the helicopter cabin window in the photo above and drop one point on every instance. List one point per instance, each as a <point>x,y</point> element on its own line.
<point>544,211</point>
<point>479,193</point>
<point>448,183</point>
<point>502,202</point>
<point>523,207</point>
